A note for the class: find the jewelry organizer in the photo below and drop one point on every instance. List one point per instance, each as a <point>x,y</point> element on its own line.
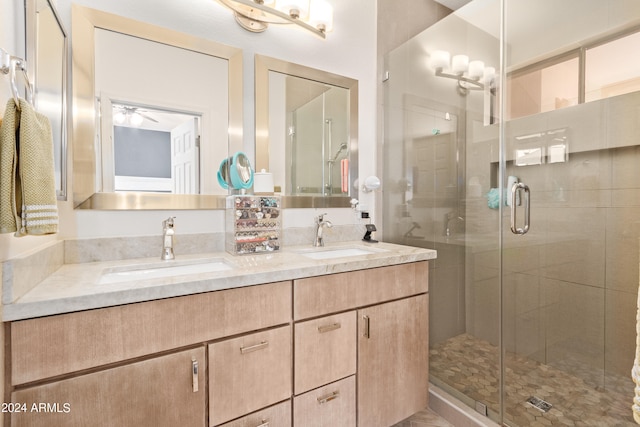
<point>253,224</point>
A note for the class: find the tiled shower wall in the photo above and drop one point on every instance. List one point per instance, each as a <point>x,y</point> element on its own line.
<point>571,283</point>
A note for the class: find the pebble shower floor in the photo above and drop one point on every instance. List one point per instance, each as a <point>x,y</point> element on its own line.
<point>470,366</point>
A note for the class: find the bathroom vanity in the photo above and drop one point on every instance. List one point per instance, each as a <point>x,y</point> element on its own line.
<point>306,337</point>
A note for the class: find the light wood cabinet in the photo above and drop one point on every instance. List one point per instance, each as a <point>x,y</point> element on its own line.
<point>320,295</point>
<point>325,350</point>
<point>278,353</point>
<point>160,392</point>
<point>392,361</point>
<point>248,373</point>
<point>56,345</point>
<point>274,416</point>
<point>333,405</point>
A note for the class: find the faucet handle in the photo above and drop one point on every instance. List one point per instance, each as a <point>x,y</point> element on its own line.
<point>320,218</point>
<point>168,222</point>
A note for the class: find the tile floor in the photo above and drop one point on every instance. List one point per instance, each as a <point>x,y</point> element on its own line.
<point>469,365</point>
<point>424,418</point>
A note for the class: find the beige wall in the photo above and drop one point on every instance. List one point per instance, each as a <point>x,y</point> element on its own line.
<point>349,50</point>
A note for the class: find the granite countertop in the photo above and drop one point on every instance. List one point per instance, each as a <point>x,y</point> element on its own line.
<point>76,287</point>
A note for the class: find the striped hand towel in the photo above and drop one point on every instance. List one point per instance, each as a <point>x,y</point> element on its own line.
<point>32,192</point>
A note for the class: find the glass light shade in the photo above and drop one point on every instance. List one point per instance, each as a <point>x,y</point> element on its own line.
<point>321,15</point>
<point>136,119</point>
<point>489,74</point>
<point>119,118</point>
<point>440,59</point>
<point>476,69</point>
<point>288,6</point>
<point>459,64</point>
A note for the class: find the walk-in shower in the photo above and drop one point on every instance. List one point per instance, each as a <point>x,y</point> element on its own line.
<point>536,327</point>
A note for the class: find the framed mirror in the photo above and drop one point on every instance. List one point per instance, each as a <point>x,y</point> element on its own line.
<point>307,132</point>
<point>153,109</point>
<point>47,53</point>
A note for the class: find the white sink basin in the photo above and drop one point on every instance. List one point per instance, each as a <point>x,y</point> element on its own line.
<point>342,252</point>
<point>162,269</point>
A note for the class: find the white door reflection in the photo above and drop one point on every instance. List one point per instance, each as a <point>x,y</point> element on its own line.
<point>153,149</point>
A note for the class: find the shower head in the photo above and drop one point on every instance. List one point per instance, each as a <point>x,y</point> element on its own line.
<point>343,147</point>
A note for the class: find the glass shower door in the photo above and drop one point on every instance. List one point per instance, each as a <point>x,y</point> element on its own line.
<point>569,284</point>
<point>534,328</point>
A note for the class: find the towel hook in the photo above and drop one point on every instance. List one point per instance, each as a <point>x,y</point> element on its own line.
<point>9,65</point>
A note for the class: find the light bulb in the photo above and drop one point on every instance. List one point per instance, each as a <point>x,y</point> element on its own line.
<point>440,59</point>
<point>119,118</point>
<point>489,74</point>
<point>476,69</point>
<point>459,64</point>
<point>136,119</point>
<point>321,15</point>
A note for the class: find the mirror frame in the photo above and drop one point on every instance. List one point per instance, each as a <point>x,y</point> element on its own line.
<point>264,64</point>
<point>84,22</point>
<point>31,44</point>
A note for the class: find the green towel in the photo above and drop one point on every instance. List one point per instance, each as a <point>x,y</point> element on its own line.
<point>28,203</point>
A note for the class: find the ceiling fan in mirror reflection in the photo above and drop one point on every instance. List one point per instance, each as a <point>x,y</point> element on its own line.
<point>126,115</point>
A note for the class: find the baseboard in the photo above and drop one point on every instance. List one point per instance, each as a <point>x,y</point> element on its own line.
<point>454,411</point>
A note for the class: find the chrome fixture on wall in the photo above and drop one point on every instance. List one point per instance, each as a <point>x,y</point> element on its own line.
<point>470,75</point>
<point>256,15</point>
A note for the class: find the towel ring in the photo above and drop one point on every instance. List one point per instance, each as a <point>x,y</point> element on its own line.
<point>9,65</point>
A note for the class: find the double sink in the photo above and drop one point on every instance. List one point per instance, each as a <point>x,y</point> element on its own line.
<point>162,269</point>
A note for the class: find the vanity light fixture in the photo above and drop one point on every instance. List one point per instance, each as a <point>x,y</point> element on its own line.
<point>256,15</point>
<point>470,75</point>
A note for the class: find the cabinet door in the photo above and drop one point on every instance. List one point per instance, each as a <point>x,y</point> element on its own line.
<point>393,349</point>
<point>274,416</point>
<point>325,350</point>
<point>165,391</point>
<point>248,373</point>
<point>333,405</point>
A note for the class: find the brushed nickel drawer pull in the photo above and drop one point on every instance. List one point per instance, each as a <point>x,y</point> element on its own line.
<point>328,328</point>
<point>194,375</point>
<point>265,423</point>
<point>328,397</point>
<point>367,326</point>
<point>255,347</point>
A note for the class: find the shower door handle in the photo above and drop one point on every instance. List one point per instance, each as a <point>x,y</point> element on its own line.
<point>527,208</point>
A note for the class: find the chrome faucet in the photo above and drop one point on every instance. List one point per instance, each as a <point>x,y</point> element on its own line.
<point>409,233</point>
<point>168,234</point>
<point>320,225</point>
<point>448,217</point>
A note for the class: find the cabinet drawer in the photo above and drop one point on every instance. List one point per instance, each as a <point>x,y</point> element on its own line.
<point>317,296</point>
<point>331,406</point>
<point>275,416</point>
<point>56,345</point>
<point>325,350</point>
<point>158,392</point>
<point>248,373</point>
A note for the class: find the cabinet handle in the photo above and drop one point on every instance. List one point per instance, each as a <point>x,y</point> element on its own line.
<point>265,423</point>
<point>367,326</point>
<point>255,347</point>
<point>328,397</point>
<point>328,328</point>
<point>194,375</point>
